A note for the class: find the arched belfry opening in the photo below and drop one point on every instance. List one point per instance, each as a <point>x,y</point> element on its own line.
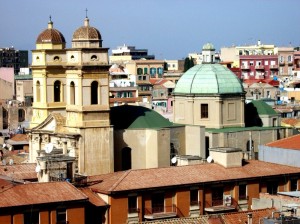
<point>72,93</point>
<point>57,91</point>
<point>94,92</point>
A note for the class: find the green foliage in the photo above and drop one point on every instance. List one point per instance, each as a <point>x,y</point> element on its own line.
<point>188,63</point>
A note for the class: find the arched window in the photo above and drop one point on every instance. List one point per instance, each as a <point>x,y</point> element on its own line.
<point>38,91</point>
<point>153,72</point>
<point>57,91</point>
<point>126,158</point>
<point>145,71</point>
<point>160,72</point>
<point>94,92</point>
<point>72,93</point>
<point>139,71</point>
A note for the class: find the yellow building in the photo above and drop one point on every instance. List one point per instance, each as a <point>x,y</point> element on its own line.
<point>71,102</point>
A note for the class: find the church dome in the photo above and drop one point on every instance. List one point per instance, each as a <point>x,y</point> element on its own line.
<point>208,46</point>
<point>207,79</point>
<point>137,117</point>
<point>86,32</point>
<point>50,35</point>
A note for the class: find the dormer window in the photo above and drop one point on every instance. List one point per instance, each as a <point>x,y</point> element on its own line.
<point>94,57</point>
<point>56,58</point>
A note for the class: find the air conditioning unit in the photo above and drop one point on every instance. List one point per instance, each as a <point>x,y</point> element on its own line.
<point>227,200</point>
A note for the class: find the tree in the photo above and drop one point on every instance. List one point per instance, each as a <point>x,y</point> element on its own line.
<point>188,63</point>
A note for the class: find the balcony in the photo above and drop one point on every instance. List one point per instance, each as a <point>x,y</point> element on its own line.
<point>220,206</point>
<point>290,63</point>
<point>245,67</point>
<point>259,67</point>
<point>274,67</point>
<point>281,63</point>
<point>160,212</point>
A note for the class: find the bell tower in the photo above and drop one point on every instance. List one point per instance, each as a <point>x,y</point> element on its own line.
<point>87,102</point>
<point>48,72</point>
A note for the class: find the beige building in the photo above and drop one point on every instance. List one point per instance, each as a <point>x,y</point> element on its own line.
<point>286,61</point>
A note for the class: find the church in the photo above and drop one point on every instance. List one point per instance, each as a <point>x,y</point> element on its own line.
<point>74,132</point>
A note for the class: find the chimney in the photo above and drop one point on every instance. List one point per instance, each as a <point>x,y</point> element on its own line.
<point>227,157</point>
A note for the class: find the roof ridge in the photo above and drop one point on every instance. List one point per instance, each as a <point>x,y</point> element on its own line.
<point>119,181</point>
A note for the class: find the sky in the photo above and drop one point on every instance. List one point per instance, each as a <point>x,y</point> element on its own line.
<point>169,29</point>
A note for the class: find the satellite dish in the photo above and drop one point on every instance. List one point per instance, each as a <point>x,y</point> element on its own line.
<point>10,148</point>
<point>11,162</point>
<point>38,168</point>
<point>4,145</point>
<point>49,147</point>
<point>209,159</point>
<point>174,160</point>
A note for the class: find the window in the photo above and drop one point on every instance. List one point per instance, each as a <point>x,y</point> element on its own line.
<point>132,204</point>
<point>204,110</point>
<point>145,70</point>
<point>251,63</point>
<point>242,192</point>
<point>294,184</point>
<point>38,91</point>
<point>56,58</point>
<point>158,201</point>
<point>266,62</point>
<point>217,196</point>
<point>194,197</point>
<point>153,72</point>
<point>289,58</point>
<point>94,57</point>
<point>61,217</point>
<point>31,217</point>
<point>272,187</point>
<point>281,59</point>
<point>139,71</point>
<point>72,93</point>
<point>94,92</point>
<point>57,91</point>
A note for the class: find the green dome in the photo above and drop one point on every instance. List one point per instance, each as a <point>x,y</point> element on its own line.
<point>208,79</point>
<point>136,117</point>
<point>208,46</point>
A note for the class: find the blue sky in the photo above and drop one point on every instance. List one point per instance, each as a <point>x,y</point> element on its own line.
<point>170,29</point>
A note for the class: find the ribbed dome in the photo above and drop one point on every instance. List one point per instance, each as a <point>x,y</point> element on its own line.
<point>50,35</point>
<point>86,32</point>
<point>208,79</point>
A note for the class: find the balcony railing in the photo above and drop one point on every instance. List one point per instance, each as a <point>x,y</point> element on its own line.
<point>160,212</point>
<point>133,210</point>
<point>290,63</point>
<point>259,67</point>
<point>273,66</point>
<point>281,63</point>
<point>245,67</point>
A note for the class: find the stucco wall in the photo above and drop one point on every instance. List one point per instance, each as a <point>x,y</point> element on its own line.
<point>279,155</point>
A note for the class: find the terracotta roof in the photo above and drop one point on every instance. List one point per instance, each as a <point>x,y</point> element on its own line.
<point>154,81</point>
<point>24,171</point>
<point>20,137</point>
<point>242,217</point>
<point>40,193</point>
<point>184,175</point>
<point>291,122</point>
<point>292,142</point>
<point>93,197</point>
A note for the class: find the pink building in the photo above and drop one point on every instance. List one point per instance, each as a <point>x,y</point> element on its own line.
<point>262,67</point>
